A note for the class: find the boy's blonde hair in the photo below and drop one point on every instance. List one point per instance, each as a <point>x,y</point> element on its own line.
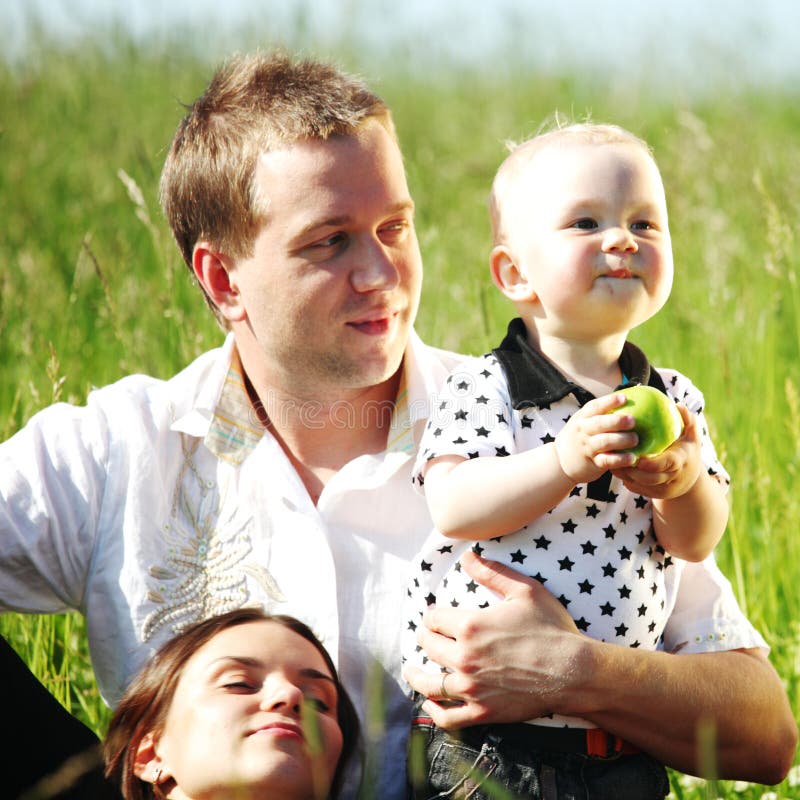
<point>523,153</point>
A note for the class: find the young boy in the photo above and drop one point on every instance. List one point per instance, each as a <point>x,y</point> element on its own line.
<point>524,459</point>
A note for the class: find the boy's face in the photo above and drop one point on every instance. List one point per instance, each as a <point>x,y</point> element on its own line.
<point>587,227</point>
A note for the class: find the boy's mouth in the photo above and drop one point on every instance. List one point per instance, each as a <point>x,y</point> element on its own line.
<point>621,272</point>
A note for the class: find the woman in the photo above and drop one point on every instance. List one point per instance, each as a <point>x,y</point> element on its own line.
<point>243,705</point>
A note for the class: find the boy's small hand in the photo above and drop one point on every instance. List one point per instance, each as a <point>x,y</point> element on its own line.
<point>672,473</point>
<point>590,442</point>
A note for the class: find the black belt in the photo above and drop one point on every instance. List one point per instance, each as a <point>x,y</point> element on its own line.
<point>587,741</point>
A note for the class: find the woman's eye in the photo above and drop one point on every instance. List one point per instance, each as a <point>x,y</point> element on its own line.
<point>317,703</point>
<point>242,686</point>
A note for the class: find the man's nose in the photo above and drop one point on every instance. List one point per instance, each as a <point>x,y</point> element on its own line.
<point>375,268</point>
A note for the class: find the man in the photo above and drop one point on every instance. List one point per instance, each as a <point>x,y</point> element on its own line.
<point>276,470</point>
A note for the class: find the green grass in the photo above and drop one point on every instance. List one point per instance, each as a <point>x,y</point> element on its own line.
<point>93,288</point>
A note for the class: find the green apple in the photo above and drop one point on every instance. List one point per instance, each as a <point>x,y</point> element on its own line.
<point>658,421</point>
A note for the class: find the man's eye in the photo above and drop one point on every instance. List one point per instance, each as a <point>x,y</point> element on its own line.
<point>394,230</point>
<point>585,224</point>
<point>330,241</point>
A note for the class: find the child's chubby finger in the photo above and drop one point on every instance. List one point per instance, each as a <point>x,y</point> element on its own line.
<point>664,463</point>
<point>621,423</point>
<point>605,404</point>
<point>617,460</point>
<point>653,464</point>
<point>607,417</point>
<point>649,471</point>
<point>633,476</point>
<point>617,443</point>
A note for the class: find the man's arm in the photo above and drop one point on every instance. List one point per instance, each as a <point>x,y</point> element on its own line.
<point>523,658</point>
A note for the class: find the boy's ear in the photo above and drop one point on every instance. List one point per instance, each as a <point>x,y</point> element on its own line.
<point>215,273</point>
<point>508,277</point>
<point>147,764</point>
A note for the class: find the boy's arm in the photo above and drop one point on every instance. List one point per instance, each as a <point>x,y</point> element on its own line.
<point>690,526</point>
<point>690,510</point>
<point>480,498</point>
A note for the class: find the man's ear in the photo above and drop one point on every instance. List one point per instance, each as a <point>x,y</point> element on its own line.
<point>508,277</point>
<point>147,764</point>
<point>213,271</point>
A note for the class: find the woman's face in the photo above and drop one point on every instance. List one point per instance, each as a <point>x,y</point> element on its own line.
<point>253,716</point>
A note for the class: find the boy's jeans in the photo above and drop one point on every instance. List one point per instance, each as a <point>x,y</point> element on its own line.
<point>498,762</point>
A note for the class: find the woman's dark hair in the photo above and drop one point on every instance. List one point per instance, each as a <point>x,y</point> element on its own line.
<point>144,706</point>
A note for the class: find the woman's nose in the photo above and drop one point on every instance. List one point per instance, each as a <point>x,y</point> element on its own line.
<point>279,693</point>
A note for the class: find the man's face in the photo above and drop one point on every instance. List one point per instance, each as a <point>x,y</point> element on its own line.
<point>332,287</point>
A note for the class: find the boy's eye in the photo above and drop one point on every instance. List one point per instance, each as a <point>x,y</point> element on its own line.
<point>642,225</point>
<point>585,224</point>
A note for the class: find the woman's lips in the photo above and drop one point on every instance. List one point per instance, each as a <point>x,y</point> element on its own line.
<point>280,729</point>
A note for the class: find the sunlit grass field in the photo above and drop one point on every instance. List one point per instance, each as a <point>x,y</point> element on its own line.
<point>92,288</point>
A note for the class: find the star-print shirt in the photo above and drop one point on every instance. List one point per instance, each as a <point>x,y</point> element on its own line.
<point>596,550</point>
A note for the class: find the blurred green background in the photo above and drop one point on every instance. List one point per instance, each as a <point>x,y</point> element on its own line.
<point>92,286</point>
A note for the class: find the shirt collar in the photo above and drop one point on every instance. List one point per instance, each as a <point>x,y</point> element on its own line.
<point>234,429</point>
<point>535,381</point>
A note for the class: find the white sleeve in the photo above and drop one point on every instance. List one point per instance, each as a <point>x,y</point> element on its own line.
<point>706,617</point>
<point>52,478</point>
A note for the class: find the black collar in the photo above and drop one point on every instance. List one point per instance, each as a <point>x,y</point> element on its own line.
<point>534,381</point>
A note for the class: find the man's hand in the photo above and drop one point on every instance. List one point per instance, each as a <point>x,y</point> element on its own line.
<point>649,698</point>
<point>508,663</point>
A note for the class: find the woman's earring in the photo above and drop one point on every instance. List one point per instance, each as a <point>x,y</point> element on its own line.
<point>157,776</point>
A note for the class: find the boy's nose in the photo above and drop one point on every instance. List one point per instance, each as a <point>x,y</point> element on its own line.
<point>619,239</point>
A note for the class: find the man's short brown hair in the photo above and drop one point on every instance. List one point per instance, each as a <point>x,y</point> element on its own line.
<point>252,104</point>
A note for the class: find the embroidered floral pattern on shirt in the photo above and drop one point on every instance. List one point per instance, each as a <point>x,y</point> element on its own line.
<point>204,573</point>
